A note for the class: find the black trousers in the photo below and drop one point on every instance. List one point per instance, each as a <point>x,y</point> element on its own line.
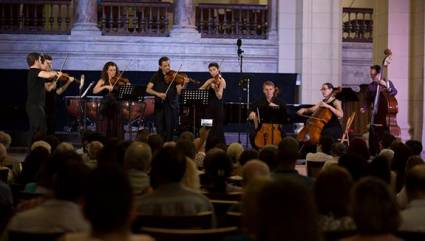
<point>166,121</point>
<point>37,120</point>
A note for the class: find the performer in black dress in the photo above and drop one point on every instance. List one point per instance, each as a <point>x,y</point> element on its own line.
<point>215,111</point>
<point>333,127</point>
<point>166,102</point>
<point>109,120</point>
<point>36,94</point>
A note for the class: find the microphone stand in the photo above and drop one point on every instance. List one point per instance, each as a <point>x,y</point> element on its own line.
<point>242,85</point>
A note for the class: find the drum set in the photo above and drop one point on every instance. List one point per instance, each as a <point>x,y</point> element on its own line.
<point>88,110</point>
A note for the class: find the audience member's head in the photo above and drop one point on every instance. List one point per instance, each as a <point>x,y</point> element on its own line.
<point>325,144</point>
<point>3,152</point>
<point>108,200</point>
<point>168,166</point>
<point>187,147</point>
<point>138,156</point>
<point>415,147</point>
<point>415,183</point>
<point>288,153</point>
<point>338,149</point>
<point>32,164</point>
<point>186,136</point>
<point>42,144</point>
<point>70,179</point>
<point>64,146</point>
<point>218,168</point>
<point>413,161</point>
<point>53,141</point>
<point>254,169</point>
<point>401,153</point>
<point>93,149</point>
<point>156,142</point>
<point>355,164</point>
<point>374,207</point>
<point>359,146</point>
<point>332,191</point>
<point>248,155</point>
<point>143,136</point>
<point>109,153</point>
<point>234,151</point>
<point>5,139</point>
<point>268,154</point>
<point>387,140</point>
<point>380,167</point>
<point>387,154</point>
<point>289,198</point>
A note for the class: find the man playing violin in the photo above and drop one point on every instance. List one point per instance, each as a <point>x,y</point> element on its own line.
<point>53,88</point>
<point>36,94</point>
<point>215,110</point>
<point>166,99</point>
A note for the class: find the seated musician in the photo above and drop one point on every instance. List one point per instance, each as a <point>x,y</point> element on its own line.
<point>270,92</point>
<point>332,128</point>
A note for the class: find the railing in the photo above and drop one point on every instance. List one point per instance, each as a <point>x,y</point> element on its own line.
<point>133,18</point>
<point>357,24</point>
<point>36,16</point>
<point>232,20</point>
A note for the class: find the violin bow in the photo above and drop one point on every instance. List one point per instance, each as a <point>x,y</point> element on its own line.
<point>122,72</point>
<point>62,65</point>
<point>174,77</point>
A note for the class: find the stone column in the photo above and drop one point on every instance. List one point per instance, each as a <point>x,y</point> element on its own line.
<point>184,19</point>
<point>273,7</point>
<point>85,18</point>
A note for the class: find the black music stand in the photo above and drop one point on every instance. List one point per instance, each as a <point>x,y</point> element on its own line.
<point>272,115</point>
<point>194,97</point>
<point>131,93</point>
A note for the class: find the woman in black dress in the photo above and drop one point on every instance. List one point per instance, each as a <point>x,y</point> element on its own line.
<point>333,127</point>
<point>215,86</point>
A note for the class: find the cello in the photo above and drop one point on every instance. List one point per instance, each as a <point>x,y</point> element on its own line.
<point>312,130</point>
<point>385,107</point>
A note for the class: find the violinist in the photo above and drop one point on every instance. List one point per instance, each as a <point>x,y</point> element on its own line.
<point>332,128</point>
<point>215,111</point>
<point>164,87</point>
<point>36,97</point>
<point>110,122</point>
<point>53,88</point>
<point>270,92</point>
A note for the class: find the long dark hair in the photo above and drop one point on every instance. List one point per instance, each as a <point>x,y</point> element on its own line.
<point>104,74</point>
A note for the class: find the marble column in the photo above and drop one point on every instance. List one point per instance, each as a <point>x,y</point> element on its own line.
<point>273,7</point>
<point>85,18</point>
<point>184,19</point>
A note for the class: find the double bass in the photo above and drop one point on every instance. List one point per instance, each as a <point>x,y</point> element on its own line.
<point>385,106</point>
<point>312,129</point>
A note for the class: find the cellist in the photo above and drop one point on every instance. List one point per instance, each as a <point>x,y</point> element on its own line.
<point>332,128</point>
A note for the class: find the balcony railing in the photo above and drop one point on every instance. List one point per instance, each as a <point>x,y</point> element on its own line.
<point>357,25</point>
<point>232,20</point>
<point>134,18</point>
<point>35,16</point>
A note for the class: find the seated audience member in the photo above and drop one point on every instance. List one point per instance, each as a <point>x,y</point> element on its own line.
<point>374,210</point>
<point>3,156</point>
<point>108,206</point>
<point>9,161</point>
<point>332,192</point>
<point>64,146</point>
<point>246,155</point>
<point>254,169</point>
<point>401,153</point>
<point>358,146</point>
<point>93,150</point>
<point>170,197</point>
<point>323,152</point>
<point>380,167</point>
<point>234,152</point>
<point>338,149</point>
<point>355,164</point>
<point>413,217</point>
<point>156,142</point>
<point>143,136</point>
<point>386,142</point>
<point>41,144</point>
<point>415,147</point>
<point>268,154</point>
<point>287,158</point>
<point>32,163</point>
<point>186,136</point>
<point>218,169</point>
<point>137,161</point>
<point>284,210</point>
<point>411,163</point>
<point>191,176</point>
<point>61,213</point>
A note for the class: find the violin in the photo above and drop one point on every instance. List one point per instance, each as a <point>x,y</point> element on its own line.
<point>178,78</point>
<point>118,80</point>
<point>66,77</point>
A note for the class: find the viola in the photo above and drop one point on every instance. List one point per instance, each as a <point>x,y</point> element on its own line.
<point>66,77</point>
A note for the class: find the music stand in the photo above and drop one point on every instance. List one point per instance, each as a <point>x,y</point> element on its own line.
<point>83,108</point>
<point>131,93</point>
<point>272,115</point>
<point>194,97</point>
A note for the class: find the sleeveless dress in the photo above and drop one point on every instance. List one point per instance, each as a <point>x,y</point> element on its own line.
<point>333,127</point>
<point>215,111</point>
<point>109,119</point>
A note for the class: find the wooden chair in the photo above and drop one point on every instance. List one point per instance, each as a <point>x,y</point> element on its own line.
<point>314,167</point>
<point>200,221</point>
<point>345,137</point>
<point>234,219</point>
<point>221,207</point>
<point>25,236</point>
<point>217,234</point>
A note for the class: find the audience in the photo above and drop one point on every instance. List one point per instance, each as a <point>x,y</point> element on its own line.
<point>137,161</point>
<point>374,210</point>
<point>32,163</point>
<point>402,195</point>
<point>415,147</point>
<point>338,149</point>
<point>358,146</point>
<point>413,217</point>
<point>218,168</point>
<point>170,197</point>
<point>355,164</point>
<point>332,193</point>
<point>93,150</point>
<point>254,169</point>
<point>268,154</point>
<point>401,153</point>
<point>323,152</point>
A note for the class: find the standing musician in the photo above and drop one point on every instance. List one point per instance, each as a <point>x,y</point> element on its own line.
<point>215,86</point>
<point>332,128</point>
<point>375,136</point>
<point>109,122</point>
<point>36,94</point>
<point>270,92</point>
<point>53,88</point>
<point>166,92</point>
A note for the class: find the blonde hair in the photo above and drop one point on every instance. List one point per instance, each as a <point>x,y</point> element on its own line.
<point>5,139</point>
<point>41,144</point>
